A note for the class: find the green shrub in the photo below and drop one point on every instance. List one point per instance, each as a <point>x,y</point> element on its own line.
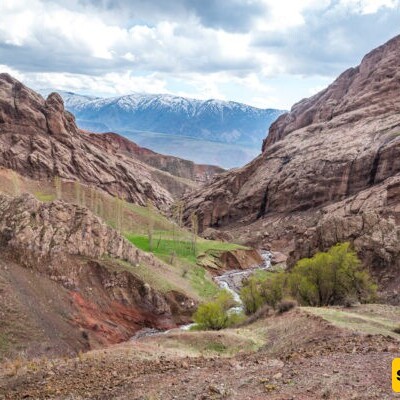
<point>263,288</point>
<point>329,278</point>
<point>251,295</point>
<point>211,316</point>
<point>215,314</point>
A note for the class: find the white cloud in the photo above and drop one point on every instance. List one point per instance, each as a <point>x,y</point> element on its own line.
<point>108,84</point>
<point>16,74</point>
<point>229,51</point>
<point>286,14</point>
<point>368,6</point>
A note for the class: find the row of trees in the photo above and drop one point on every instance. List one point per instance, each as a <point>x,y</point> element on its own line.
<point>328,278</point>
<point>114,211</point>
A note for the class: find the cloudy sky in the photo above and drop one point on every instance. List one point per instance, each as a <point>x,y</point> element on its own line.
<point>267,53</point>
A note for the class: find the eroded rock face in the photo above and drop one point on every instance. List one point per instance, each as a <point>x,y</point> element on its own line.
<point>341,144</point>
<point>69,245</point>
<point>37,230</point>
<point>179,167</point>
<point>39,139</point>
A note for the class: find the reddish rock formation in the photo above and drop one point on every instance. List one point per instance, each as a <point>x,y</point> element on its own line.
<point>179,167</point>
<point>66,245</point>
<point>41,140</point>
<point>340,149</point>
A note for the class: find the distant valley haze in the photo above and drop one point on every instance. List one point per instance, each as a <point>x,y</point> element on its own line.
<point>215,132</point>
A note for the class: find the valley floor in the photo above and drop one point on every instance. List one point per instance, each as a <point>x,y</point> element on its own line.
<point>297,355</point>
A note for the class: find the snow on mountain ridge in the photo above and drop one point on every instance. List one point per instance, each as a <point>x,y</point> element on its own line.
<point>134,99</point>
<point>212,131</point>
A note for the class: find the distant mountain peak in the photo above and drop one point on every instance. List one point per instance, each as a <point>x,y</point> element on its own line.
<point>240,126</point>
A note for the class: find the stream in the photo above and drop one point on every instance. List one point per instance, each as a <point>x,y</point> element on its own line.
<point>230,281</point>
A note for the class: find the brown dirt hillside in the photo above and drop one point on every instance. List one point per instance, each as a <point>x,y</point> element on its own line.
<point>68,282</point>
<point>199,173</point>
<point>323,362</point>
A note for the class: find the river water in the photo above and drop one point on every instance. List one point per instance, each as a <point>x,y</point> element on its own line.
<point>230,281</point>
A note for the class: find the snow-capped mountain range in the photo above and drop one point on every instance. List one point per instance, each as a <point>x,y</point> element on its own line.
<point>148,114</point>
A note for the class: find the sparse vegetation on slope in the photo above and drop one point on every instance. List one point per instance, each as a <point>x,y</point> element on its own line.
<point>171,242</point>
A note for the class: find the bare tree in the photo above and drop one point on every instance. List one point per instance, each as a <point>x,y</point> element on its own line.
<point>195,229</point>
<point>179,213</point>
<point>92,194</point>
<point>77,188</point>
<point>15,183</point>
<point>150,223</point>
<point>58,187</point>
<point>118,203</point>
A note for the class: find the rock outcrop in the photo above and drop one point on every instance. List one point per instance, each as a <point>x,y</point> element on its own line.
<point>114,143</point>
<point>94,267</point>
<point>37,231</point>
<point>220,260</point>
<point>39,139</point>
<point>339,149</point>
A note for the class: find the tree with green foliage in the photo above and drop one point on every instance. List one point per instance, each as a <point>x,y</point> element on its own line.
<point>262,288</point>
<point>330,278</point>
<point>215,314</point>
<point>251,296</point>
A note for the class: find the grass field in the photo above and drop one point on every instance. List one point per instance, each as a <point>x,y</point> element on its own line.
<point>181,257</point>
<point>182,247</point>
<point>366,318</point>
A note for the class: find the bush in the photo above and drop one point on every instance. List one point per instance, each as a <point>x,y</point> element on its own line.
<point>262,288</point>
<point>215,314</point>
<point>285,306</point>
<point>211,316</point>
<point>251,295</point>
<point>263,312</point>
<point>329,278</point>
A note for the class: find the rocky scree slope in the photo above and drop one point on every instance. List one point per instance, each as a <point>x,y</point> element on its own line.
<point>39,139</point>
<point>329,172</point>
<point>93,268</point>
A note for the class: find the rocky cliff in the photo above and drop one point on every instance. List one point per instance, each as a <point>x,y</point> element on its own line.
<point>330,162</point>
<point>114,143</point>
<point>39,139</point>
<point>89,289</point>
